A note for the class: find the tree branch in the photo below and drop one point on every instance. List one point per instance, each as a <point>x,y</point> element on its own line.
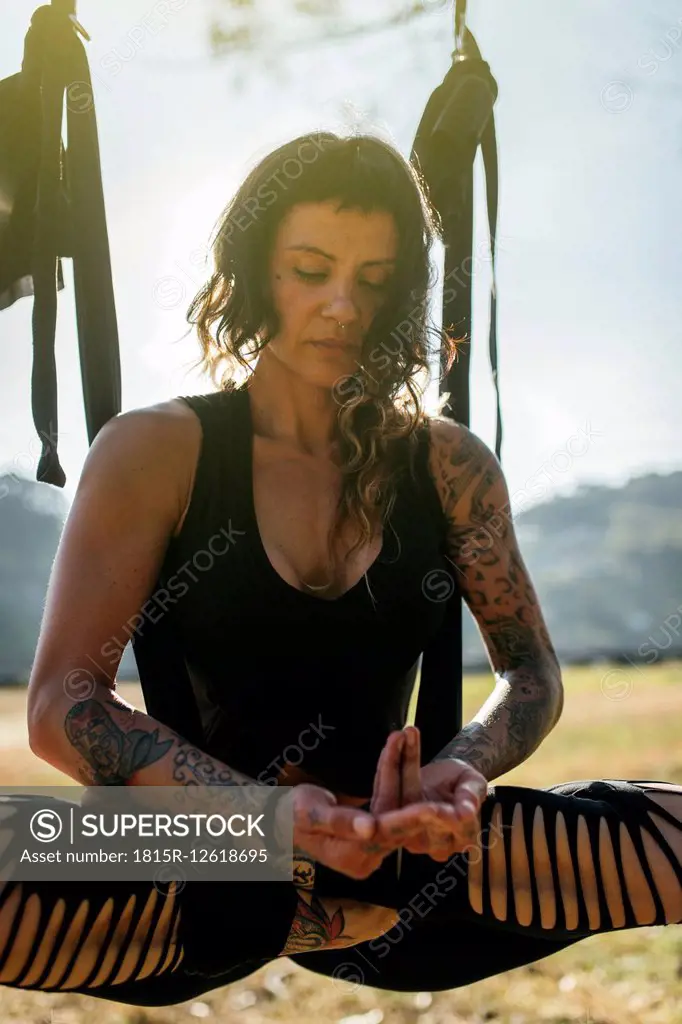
<point>242,38</point>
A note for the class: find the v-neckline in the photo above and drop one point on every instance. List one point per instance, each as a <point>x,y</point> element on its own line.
<point>258,540</point>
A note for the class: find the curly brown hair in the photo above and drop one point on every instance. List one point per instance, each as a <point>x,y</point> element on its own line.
<point>380,407</point>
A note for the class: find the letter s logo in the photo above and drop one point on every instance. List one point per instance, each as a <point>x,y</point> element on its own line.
<point>46,826</point>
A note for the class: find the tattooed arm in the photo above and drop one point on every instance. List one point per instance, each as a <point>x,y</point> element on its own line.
<point>528,697</point>
<point>105,741</point>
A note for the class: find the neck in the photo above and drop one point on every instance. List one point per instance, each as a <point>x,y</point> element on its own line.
<point>287,408</point>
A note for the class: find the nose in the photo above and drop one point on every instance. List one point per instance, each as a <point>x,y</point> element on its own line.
<point>342,310</point>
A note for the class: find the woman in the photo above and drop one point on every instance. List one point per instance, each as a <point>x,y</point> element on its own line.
<point>328,511</point>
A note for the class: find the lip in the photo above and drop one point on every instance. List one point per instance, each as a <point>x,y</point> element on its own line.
<point>333,343</point>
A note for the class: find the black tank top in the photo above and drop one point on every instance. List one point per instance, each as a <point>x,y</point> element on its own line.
<point>279,675</point>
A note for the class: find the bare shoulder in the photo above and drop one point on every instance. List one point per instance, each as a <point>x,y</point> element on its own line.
<point>461,463</point>
<point>163,442</point>
<point>129,499</point>
<point>170,428</point>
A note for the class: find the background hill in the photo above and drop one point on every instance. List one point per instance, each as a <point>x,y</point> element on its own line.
<point>607,564</point>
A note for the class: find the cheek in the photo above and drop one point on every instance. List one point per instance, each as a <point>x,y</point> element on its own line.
<point>369,307</point>
<point>292,302</point>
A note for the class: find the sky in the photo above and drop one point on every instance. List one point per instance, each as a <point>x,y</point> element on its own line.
<point>589,125</point>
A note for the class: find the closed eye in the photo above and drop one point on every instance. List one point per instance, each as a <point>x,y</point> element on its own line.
<point>321,276</point>
<point>305,276</point>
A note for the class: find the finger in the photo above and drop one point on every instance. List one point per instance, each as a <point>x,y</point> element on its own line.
<point>407,825</point>
<point>418,817</point>
<point>418,843</point>
<point>378,789</point>
<point>471,791</point>
<point>441,846</point>
<point>342,822</point>
<point>387,780</point>
<point>346,857</point>
<point>411,766</point>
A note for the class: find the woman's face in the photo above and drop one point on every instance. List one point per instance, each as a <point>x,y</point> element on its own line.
<point>329,274</point>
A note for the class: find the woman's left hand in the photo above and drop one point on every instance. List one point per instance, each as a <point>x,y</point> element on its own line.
<point>452,790</point>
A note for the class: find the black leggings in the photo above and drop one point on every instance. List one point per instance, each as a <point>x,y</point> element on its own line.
<point>548,868</point>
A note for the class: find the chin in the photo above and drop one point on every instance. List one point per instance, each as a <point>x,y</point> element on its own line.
<point>332,374</point>
<point>328,381</point>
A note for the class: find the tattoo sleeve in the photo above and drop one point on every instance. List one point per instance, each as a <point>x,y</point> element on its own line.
<point>493,580</point>
<point>118,745</point>
<point>512,723</point>
<point>103,740</point>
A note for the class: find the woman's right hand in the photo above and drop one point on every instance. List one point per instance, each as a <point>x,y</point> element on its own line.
<point>335,834</point>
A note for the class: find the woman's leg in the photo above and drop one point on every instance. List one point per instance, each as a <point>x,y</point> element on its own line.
<point>547,868</point>
<point>96,937</point>
<point>145,943</point>
<point>156,944</point>
<point>578,858</point>
<point>330,922</point>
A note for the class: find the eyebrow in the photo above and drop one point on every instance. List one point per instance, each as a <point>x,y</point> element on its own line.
<point>321,252</point>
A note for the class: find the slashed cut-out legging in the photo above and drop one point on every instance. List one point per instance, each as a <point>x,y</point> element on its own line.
<point>548,867</point>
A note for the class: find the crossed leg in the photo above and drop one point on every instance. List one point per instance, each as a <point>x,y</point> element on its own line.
<point>150,943</point>
<point>582,857</point>
<point>547,869</point>
<point>59,936</point>
<point>95,937</point>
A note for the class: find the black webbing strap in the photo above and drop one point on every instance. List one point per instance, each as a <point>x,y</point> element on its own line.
<point>52,206</point>
<point>458,118</point>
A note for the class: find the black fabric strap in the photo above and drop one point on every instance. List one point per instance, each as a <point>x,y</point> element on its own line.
<point>489,153</point>
<point>98,344</point>
<point>56,209</point>
<point>458,118</point>
<point>44,257</point>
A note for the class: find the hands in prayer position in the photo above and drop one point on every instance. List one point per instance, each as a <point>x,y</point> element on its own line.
<point>431,809</point>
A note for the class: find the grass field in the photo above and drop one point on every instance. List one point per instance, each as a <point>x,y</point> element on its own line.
<point>615,725</point>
